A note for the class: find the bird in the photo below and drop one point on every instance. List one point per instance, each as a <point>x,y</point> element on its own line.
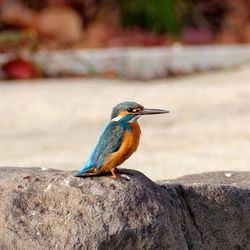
<point>118,140</point>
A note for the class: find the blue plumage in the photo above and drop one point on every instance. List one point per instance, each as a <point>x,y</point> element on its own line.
<point>108,143</point>
<point>121,135</point>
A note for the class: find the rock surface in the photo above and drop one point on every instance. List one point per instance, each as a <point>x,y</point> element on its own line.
<point>51,209</point>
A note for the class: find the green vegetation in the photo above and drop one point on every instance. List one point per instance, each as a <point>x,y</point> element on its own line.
<point>159,16</point>
<point>14,40</point>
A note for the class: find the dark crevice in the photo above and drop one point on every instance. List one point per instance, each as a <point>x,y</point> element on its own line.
<point>190,212</point>
<point>189,228</point>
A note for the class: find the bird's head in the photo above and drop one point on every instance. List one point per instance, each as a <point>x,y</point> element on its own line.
<point>131,111</point>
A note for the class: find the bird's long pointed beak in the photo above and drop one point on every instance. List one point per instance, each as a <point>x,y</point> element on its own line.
<point>147,111</point>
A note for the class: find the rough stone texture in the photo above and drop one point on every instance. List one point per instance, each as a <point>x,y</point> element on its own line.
<point>52,209</point>
<point>218,204</point>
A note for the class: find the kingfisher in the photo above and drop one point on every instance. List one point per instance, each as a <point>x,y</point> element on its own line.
<point>118,140</point>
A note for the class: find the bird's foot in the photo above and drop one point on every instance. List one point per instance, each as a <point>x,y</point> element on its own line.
<point>116,177</point>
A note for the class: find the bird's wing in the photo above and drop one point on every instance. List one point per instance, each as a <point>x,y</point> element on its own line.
<point>109,141</point>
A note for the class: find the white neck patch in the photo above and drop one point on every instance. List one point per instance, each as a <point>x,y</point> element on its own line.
<point>117,118</point>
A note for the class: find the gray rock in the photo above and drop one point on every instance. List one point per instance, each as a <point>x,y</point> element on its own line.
<point>52,209</point>
<point>219,205</point>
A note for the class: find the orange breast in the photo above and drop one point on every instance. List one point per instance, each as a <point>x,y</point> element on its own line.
<point>129,145</point>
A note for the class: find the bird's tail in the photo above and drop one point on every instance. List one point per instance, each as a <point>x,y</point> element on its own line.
<point>77,173</point>
<point>85,171</point>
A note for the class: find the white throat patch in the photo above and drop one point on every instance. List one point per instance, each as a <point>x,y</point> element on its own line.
<point>117,118</point>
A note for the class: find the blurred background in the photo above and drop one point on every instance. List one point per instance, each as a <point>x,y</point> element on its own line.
<point>64,64</point>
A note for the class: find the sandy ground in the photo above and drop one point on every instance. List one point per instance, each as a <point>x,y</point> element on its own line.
<point>55,123</point>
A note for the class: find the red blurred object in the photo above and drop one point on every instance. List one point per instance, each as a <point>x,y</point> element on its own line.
<point>19,69</point>
<point>138,37</point>
<point>192,35</point>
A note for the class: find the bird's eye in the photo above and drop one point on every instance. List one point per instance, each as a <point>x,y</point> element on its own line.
<point>133,110</point>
